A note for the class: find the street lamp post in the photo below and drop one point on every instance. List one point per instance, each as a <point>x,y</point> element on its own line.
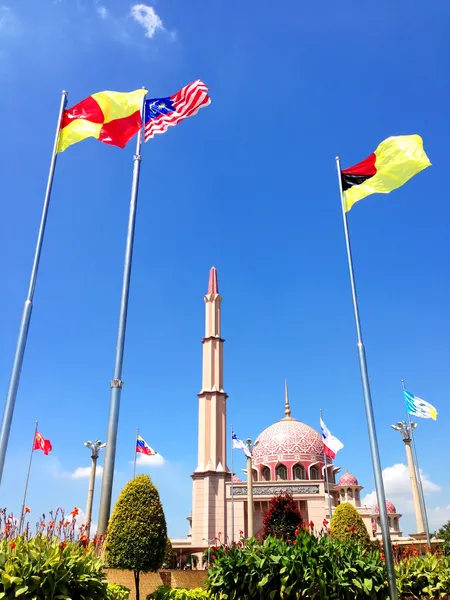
<point>95,448</point>
<point>250,524</point>
<point>406,431</point>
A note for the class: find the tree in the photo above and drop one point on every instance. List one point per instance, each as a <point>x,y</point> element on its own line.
<point>347,524</point>
<point>444,534</point>
<point>283,517</point>
<point>169,560</point>
<point>137,531</point>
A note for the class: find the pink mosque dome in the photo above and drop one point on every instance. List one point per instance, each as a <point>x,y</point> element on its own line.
<point>391,510</point>
<point>288,440</point>
<point>236,479</point>
<point>348,479</point>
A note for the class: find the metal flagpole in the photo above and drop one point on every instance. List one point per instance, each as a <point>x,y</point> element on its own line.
<point>232,488</point>
<point>378,476</point>
<point>135,453</point>
<point>22,512</point>
<point>117,383</point>
<point>330,510</point>
<point>28,307</point>
<point>423,506</point>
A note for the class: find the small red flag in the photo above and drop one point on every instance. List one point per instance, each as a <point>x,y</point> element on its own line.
<point>40,443</point>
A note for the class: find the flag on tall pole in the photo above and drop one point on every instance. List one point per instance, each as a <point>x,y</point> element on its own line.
<point>158,114</point>
<point>162,113</point>
<point>110,117</point>
<point>331,444</point>
<point>240,445</point>
<point>143,448</point>
<point>419,408</point>
<point>28,306</point>
<point>393,163</point>
<point>40,443</point>
<point>116,383</point>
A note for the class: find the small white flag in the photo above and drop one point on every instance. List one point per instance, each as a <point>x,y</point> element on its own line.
<point>240,445</point>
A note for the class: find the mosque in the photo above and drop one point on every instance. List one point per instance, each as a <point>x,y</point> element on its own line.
<point>288,457</point>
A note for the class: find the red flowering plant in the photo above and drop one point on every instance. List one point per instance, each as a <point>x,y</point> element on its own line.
<point>283,518</point>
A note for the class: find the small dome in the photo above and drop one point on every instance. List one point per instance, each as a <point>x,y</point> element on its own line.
<point>348,479</point>
<point>236,479</point>
<point>288,439</point>
<point>391,510</point>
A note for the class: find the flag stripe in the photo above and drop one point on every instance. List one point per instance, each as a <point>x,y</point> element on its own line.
<point>186,102</point>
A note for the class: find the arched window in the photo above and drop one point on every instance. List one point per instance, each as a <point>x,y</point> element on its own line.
<point>396,523</point>
<point>281,473</point>
<point>313,473</point>
<point>331,476</point>
<point>266,474</point>
<point>298,472</point>
<point>342,494</point>
<point>350,494</point>
<point>254,475</point>
<point>357,495</point>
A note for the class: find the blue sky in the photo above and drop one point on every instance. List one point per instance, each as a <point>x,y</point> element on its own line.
<point>248,185</point>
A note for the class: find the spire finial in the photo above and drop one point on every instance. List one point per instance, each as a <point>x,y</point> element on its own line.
<point>287,407</point>
<point>213,284</point>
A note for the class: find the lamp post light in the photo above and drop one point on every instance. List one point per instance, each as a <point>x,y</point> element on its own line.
<point>209,542</point>
<point>250,525</point>
<point>406,431</point>
<point>95,448</point>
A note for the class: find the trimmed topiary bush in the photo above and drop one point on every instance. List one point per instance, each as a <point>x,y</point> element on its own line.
<point>283,518</point>
<point>137,531</point>
<point>117,592</point>
<point>169,560</point>
<point>164,592</point>
<point>347,524</point>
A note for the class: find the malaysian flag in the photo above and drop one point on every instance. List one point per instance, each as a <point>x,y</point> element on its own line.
<point>162,113</point>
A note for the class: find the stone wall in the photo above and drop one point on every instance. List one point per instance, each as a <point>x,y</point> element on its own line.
<point>150,581</point>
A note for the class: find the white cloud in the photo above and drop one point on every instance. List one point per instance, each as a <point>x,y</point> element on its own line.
<point>438,516</point>
<point>102,11</point>
<point>397,488</point>
<point>8,22</point>
<point>85,472</point>
<point>150,461</point>
<point>147,17</point>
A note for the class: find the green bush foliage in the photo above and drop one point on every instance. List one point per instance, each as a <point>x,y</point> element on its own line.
<point>117,592</point>
<point>137,532</point>
<point>311,567</point>
<point>169,560</point>
<point>347,524</point>
<point>425,576</point>
<point>166,593</point>
<point>282,518</point>
<point>444,534</point>
<point>48,569</point>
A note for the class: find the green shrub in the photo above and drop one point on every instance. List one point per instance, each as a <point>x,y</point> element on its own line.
<point>137,532</point>
<point>347,524</point>
<point>283,517</point>
<point>425,576</point>
<point>48,569</point>
<point>169,560</point>
<point>117,592</point>
<point>164,592</point>
<point>313,568</point>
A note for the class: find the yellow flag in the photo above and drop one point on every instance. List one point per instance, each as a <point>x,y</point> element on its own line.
<point>393,163</point>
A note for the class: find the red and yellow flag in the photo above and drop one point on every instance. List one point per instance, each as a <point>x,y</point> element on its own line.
<point>40,443</point>
<point>393,163</point>
<point>111,117</point>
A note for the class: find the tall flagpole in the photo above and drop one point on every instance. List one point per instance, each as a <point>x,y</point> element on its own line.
<point>378,476</point>
<point>135,453</point>
<point>423,506</point>
<point>232,488</point>
<point>117,383</point>
<point>22,512</point>
<point>28,307</point>
<point>327,481</point>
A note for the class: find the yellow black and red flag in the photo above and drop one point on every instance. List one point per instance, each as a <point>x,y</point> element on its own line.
<point>393,163</point>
